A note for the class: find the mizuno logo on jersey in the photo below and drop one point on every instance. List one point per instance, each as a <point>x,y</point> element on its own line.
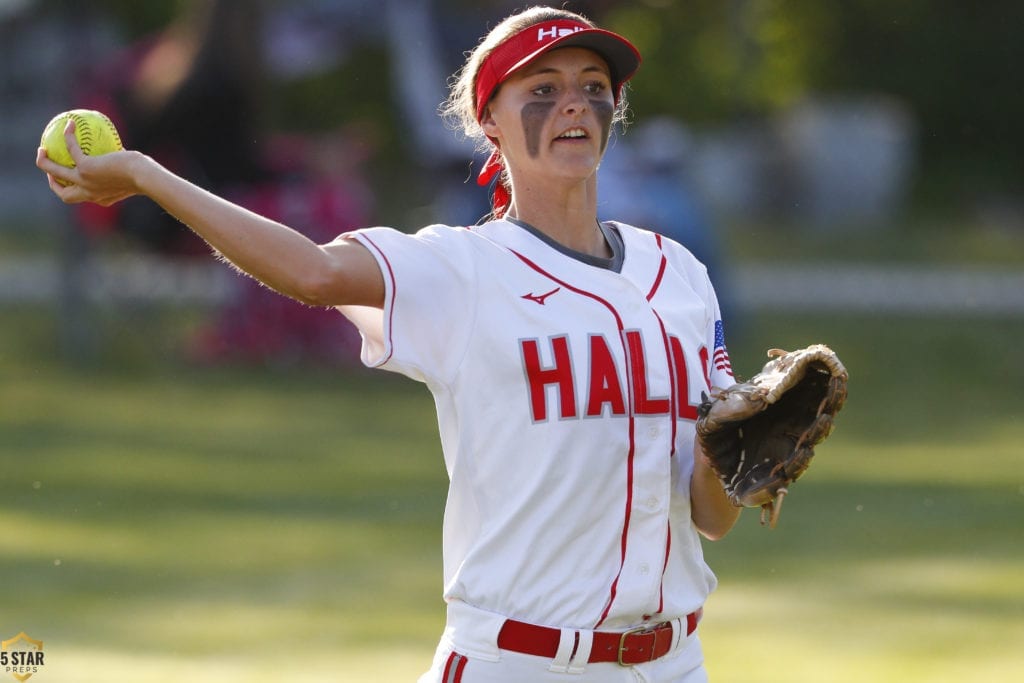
<point>540,298</point>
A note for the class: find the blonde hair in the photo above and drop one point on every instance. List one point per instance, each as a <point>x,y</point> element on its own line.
<point>459,110</point>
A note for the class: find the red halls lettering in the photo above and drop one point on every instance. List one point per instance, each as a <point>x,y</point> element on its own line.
<point>605,387</point>
<point>686,411</point>
<point>645,405</point>
<point>539,378</point>
<point>604,391</point>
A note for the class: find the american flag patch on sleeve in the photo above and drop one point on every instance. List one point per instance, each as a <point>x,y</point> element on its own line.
<point>720,359</point>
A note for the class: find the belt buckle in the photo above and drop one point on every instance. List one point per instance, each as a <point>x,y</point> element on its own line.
<point>631,632</point>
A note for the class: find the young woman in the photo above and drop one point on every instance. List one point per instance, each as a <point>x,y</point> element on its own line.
<point>566,358</point>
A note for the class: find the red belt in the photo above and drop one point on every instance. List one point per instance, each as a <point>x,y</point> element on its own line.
<point>636,646</point>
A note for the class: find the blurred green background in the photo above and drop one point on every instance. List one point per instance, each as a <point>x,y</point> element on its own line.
<point>225,524</point>
<point>172,511</point>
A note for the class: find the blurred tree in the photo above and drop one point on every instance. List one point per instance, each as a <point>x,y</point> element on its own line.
<point>957,65</point>
<point>706,60</point>
<point>954,64</point>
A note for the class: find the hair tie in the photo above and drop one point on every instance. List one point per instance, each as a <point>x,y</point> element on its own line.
<point>493,167</point>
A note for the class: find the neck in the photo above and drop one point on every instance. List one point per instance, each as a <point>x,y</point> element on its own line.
<point>567,215</point>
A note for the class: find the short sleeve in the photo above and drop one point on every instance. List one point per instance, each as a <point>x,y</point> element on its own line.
<point>429,302</point>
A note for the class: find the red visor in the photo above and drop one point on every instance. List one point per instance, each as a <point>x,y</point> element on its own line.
<point>529,44</point>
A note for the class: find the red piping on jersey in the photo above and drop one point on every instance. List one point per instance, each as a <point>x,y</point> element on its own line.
<point>672,399</point>
<point>632,428</point>
<point>673,408</point>
<point>394,293</point>
<point>664,335</point>
<point>673,411</point>
<point>661,271</point>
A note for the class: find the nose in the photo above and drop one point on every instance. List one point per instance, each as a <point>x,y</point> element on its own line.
<point>575,102</point>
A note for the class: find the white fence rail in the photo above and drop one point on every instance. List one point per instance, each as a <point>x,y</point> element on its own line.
<point>842,287</point>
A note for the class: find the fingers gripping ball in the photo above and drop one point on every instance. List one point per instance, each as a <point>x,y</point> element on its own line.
<point>94,131</point>
<point>759,435</point>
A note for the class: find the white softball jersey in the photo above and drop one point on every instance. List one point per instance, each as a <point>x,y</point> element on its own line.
<point>566,398</point>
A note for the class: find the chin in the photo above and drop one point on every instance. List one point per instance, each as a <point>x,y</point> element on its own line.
<point>578,170</point>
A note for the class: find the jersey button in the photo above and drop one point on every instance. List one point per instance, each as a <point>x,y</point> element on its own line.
<point>653,431</point>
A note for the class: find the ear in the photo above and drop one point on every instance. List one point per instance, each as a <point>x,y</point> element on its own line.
<point>489,125</point>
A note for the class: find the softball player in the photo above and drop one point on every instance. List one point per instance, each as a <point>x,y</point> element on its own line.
<point>566,358</point>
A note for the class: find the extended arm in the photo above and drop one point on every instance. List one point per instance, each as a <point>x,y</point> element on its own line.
<point>340,273</point>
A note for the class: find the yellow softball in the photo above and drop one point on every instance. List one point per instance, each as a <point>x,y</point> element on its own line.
<point>94,131</point>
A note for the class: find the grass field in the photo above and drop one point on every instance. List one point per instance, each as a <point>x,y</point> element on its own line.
<point>167,523</point>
